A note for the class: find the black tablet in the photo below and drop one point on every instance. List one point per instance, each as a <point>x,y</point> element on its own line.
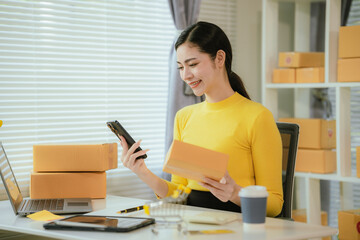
<point>99,223</point>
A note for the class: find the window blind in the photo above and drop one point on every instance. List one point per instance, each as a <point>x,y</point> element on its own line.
<point>68,66</point>
<point>222,13</point>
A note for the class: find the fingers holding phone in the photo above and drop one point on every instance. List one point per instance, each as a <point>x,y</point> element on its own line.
<point>131,158</point>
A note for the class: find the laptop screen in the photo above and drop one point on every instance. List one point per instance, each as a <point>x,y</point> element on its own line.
<point>9,180</point>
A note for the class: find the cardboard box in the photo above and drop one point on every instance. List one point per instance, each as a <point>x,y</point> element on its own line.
<point>348,70</point>
<point>301,59</point>
<point>349,224</point>
<point>194,162</point>
<point>75,158</point>
<point>299,215</point>
<point>349,38</point>
<point>315,161</point>
<point>68,185</point>
<point>358,162</point>
<point>315,133</point>
<point>310,75</point>
<point>286,75</point>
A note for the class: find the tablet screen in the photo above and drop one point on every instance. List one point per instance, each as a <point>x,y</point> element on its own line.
<point>102,223</point>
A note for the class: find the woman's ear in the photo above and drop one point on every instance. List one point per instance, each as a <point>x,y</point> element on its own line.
<point>220,58</point>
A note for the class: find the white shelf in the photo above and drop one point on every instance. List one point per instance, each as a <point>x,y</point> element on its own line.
<point>329,177</point>
<point>310,193</point>
<point>311,85</point>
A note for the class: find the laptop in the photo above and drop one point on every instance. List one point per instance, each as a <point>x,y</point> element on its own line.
<point>24,207</point>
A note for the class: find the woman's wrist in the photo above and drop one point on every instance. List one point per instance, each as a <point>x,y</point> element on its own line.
<point>235,196</point>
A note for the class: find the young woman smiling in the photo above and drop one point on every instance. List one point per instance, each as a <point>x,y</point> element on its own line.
<point>227,121</point>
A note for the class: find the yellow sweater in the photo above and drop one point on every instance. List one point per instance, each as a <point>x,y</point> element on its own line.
<point>243,129</point>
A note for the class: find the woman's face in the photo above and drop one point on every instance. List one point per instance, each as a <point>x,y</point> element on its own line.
<point>197,69</point>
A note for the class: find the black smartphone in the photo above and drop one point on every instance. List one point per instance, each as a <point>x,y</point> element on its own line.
<point>99,223</point>
<point>119,130</point>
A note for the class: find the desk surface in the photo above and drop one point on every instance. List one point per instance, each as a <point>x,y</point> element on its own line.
<point>274,228</point>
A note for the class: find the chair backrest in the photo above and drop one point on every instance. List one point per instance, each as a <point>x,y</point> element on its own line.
<point>289,135</point>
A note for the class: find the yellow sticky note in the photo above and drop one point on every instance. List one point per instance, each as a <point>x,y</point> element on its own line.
<point>0,123</point>
<point>44,216</point>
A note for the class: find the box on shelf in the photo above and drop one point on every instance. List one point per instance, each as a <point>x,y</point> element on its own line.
<point>358,162</point>
<point>194,162</point>
<point>310,75</point>
<point>349,224</point>
<point>315,133</point>
<point>68,185</point>
<point>65,158</point>
<point>348,70</point>
<point>286,75</point>
<point>349,38</point>
<point>299,215</point>
<point>315,161</point>
<point>301,59</point>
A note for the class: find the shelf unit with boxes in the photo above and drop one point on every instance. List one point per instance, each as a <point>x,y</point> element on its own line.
<point>302,91</point>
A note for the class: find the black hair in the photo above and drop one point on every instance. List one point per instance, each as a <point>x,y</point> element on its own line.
<point>209,38</point>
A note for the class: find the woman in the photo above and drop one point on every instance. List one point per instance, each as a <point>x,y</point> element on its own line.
<point>227,121</point>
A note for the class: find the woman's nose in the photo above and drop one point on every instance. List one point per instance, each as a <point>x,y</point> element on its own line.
<point>187,74</point>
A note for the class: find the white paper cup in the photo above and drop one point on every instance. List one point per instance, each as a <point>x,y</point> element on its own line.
<point>253,207</point>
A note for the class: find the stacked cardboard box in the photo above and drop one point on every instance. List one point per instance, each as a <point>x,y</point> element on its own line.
<point>317,139</point>
<point>71,171</point>
<point>349,54</point>
<point>349,224</point>
<point>299,67</point>
<point>299,215</point>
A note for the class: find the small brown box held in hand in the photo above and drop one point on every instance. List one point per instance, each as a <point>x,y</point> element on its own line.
<point>68,185</point>
<point>315,161</point>
<point>349,224</point>
<point>75,158</point>
<point>301,59</point>
<point>194,162</point>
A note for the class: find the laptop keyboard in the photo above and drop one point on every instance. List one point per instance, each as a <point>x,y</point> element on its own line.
<point>34,205</point>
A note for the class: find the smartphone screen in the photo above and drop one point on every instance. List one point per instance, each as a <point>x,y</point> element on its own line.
<point>119,130</point>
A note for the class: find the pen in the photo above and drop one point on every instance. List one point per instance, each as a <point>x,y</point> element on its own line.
<point>131,209</point>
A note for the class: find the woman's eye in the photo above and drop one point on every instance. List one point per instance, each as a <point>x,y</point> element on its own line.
<point>180,68</point>
<point>193,64</point>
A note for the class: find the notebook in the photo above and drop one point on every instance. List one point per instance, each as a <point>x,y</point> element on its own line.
<point>213,217</point>
<point>24,207</point>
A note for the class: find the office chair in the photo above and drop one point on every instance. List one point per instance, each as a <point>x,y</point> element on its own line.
<point>289,135</point>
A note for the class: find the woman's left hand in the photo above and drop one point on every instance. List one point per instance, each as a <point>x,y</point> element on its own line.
<point>225,190</point>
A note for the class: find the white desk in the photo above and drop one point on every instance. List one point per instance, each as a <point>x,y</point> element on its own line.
<point>274,228</point>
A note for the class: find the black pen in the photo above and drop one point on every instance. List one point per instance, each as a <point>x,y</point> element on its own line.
<point>131,209</point>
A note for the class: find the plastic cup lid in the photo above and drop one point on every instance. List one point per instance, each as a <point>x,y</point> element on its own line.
<point>253,191</point>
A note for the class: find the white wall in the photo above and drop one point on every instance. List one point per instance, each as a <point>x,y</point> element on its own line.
<point>248,42</point>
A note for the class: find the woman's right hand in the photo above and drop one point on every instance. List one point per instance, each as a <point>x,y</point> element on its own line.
<point>128,157</point>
